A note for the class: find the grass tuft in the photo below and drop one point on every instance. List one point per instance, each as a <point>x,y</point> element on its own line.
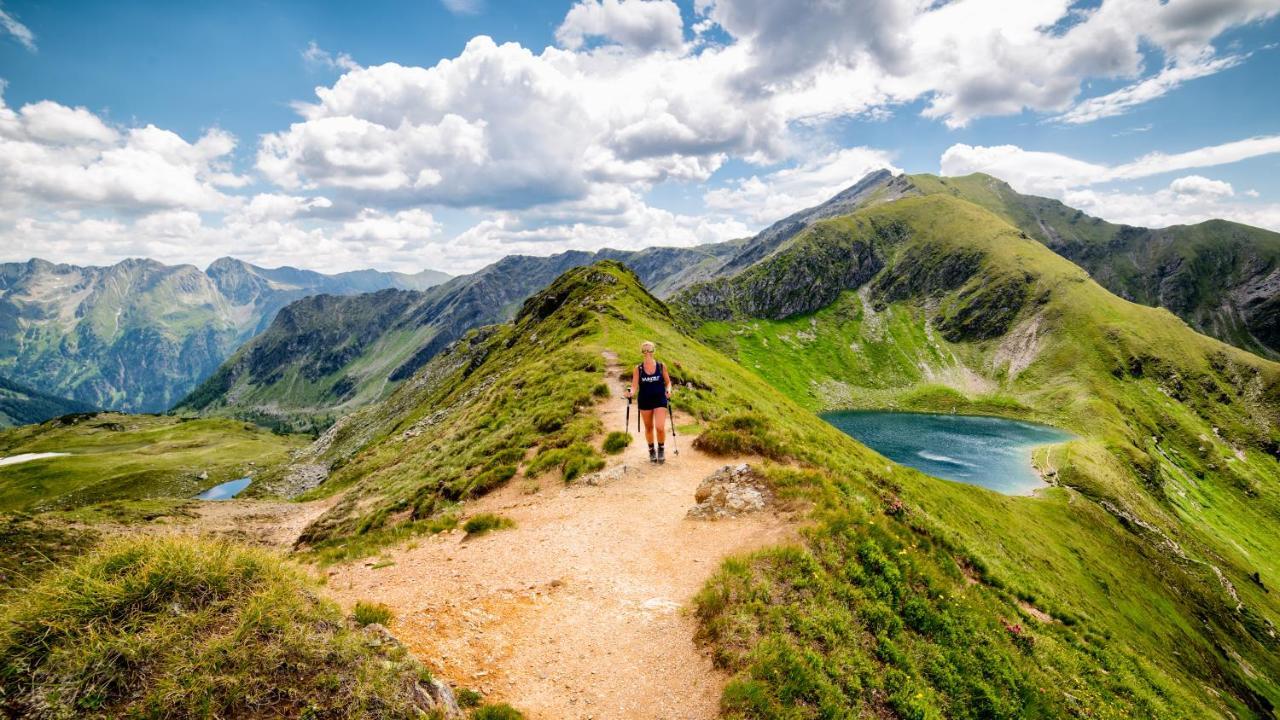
<point>485,522</point>
<point>616,442</point>
<point>501,711</point>
<point>369,613</point>
<point>741,433</point>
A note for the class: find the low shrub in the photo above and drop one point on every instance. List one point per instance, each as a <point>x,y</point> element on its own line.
<point>616,442</point>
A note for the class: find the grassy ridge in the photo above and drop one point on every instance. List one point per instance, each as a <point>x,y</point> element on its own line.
<point>181,628</point>
<point>1212,274</point>
<point>131,457</point>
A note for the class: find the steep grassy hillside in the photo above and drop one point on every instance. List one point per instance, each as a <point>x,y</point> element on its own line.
<point>20,405</point>
<point>1180,432</point>
<point>1221,277</point>
<point>139,335</point>
<point>326,356</point>
<point>185,629</point>
<point>911,596</point>
<point>111,456</point>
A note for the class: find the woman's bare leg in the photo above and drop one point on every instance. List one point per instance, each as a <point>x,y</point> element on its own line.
<point>660,425</point>
<point>647,417</point>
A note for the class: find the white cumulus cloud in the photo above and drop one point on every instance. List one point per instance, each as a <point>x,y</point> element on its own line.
<point>59,156</point>
<point>641,24</point>
<point>761,200</point>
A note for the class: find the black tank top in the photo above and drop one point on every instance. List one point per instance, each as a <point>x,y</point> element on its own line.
<point>653,391</point>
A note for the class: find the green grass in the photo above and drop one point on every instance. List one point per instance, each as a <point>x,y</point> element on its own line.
<point>343,548</point>
<point>34,545</point>
<point>184,628</point>
<point>468,698</point>
<point>131,457</point>
<point>368,613</point>
<point>616,441</point>
<point>485,522</point>
<point>1145,395</point>
<point>501,711</point>
<point>501,402</point>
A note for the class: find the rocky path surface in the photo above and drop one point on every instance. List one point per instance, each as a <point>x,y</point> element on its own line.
<point>583,610</point>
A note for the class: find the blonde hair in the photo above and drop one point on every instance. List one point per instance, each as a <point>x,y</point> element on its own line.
<point>647,346</point>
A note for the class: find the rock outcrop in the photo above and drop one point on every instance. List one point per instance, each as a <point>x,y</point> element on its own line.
<point>731,491</point>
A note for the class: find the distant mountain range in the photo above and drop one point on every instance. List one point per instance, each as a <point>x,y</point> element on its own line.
<point>327,356</point>
<point>139,334</point>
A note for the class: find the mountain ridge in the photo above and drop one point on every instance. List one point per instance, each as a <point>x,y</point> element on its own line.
<point>377,357</point>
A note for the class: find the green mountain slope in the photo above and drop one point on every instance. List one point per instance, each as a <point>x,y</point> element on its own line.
<point>325,356</point>
<point>910,596</point>
<point>1180,433</point>
<point>20,405</point>
<point>1221,277</point>
<point>116,457</point>
<point>138,335</point>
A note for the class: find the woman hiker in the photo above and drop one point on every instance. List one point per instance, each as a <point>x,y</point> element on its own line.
<point>652,385</point>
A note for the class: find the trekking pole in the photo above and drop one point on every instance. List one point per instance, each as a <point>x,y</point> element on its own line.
<point>626,427</point>
<point>675,448</point>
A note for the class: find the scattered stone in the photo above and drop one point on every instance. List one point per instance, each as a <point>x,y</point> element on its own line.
<point>435,694</point>
<point>301,477</point>
<point>432,695</point>
<point>729,492</point>
<point>204,475</point>
<point>608,475</point>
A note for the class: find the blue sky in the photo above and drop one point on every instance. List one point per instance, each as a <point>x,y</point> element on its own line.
<point>174,130</point>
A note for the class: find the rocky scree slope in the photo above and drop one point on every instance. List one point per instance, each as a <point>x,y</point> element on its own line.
<point>139,335</point>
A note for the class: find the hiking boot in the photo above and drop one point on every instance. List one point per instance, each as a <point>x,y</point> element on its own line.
<point>662,457</point>
<point>653,455</point>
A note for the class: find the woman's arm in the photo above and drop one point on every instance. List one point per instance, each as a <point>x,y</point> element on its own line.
<point>666,379</point>
<point>635,380</point>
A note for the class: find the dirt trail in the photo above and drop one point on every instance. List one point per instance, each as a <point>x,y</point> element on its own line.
<point>583,609</point>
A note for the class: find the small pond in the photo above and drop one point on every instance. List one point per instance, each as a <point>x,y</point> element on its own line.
<point>988,451</point>
<point>226,490</point>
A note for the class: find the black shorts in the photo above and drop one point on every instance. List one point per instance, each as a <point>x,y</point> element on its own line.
<point>648,403</point>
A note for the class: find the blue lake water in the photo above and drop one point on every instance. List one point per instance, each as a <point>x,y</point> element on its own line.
<point>992,452</point>
<point>226,490</point>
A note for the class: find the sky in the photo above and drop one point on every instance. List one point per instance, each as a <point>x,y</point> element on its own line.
<point>446,134</point>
